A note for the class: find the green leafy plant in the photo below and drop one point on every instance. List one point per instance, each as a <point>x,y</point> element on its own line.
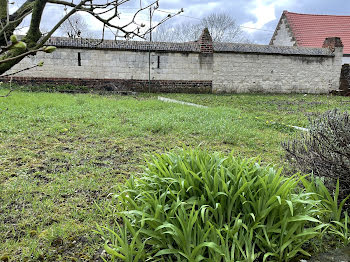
<point>332,207</point>
<point>191,205</point>
<point>341,229</point>
<point>121,247</point>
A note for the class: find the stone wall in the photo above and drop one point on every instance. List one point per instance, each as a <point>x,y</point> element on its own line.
<point>280,70</point>
<point>198,67</point>
<point>106,64</point>
<point>283,35</point>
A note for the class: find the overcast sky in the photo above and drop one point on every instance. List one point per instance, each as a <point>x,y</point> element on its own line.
<point>260,14</point>
<point>263,15</point>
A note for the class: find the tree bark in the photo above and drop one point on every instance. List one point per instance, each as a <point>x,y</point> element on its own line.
<point>15,19</point>
<point>34,34</point>
<point>3,9</point>
<point>32,37</point>
<point>8,65</point>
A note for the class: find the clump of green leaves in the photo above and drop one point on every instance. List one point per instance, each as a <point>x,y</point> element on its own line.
<point>195,206</point>
<point>331,208</point>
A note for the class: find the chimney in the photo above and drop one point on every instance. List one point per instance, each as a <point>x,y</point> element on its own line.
<point>332,43</point>
<point>206,42</point>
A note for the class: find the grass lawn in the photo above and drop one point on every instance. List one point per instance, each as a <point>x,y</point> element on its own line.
<point>62,155</point>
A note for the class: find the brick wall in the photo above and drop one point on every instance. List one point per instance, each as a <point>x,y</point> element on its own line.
<point>206,42</point>
<point>155,86</point>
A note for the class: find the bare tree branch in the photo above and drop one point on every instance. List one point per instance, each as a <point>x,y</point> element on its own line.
<point>11,90</point>
<point>22,70</point>
<point>75,27</point>
<point>15,19</point>
<point>222,27</point>
<point>8,94</point>
<point>106,12</point>
<point>21,55</point>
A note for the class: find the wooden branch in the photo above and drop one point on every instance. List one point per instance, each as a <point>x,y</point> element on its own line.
<point>91,9</point>
<point>19,71</point>
<point>20,19</point>
<point>3,9</point>
<point>5,37</point>
<point>87,6</point>
<point>15,19</point>
<point>49,34</point>
<point>35,40</point>
<point>34,34</point>
<point>59,2</point>
<point>10,89</point>
<point>21,55</point>
<point>8,94</point>
<point>138,11</point>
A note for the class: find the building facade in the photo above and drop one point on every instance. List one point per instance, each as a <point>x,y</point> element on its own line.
<point>310,30</point>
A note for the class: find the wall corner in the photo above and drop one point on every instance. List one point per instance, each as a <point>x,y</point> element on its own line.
<point>336,46</point>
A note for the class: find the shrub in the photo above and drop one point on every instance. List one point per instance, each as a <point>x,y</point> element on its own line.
<point>196,206</point>
<point>324,150</point>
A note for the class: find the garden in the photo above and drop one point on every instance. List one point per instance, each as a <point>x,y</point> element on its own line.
<point>89,177</point>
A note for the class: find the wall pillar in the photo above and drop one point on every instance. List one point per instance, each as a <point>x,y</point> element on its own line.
<point>206,42</point>
<point>336,46</point>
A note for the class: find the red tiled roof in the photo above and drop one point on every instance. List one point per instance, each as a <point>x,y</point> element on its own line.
<point>311,30</point>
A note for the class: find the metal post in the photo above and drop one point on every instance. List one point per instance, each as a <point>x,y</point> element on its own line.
<point>149,50</point>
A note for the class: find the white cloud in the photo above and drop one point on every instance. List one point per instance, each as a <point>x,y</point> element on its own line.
<point>198,10</point>
<point>261,14</point>
<point>264,11</point>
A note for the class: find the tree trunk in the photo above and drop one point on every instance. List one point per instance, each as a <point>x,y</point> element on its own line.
<point>16,18</point>
<point>3,10</point>
<point>31,38</point>
<point>34,34</point>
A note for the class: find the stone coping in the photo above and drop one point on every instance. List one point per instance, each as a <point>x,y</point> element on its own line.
<point>270,49</point>
<point>123,45</point>
<point>188,47</point>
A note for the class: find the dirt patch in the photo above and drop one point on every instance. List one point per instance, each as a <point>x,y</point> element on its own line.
<point>338,255</point>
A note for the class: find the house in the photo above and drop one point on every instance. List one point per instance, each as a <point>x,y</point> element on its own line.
<point>310,30</point>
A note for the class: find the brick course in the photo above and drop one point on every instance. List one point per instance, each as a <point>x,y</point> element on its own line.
<point>135,85</point>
